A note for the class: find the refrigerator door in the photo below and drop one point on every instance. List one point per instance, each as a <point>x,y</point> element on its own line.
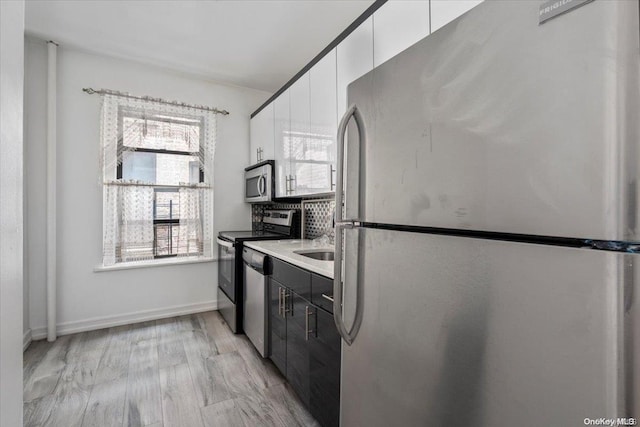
<point>496,123</point>
<point>471,332</point>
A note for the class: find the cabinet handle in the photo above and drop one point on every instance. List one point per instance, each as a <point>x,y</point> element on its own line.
<point>279,301</point>
<point>327,297</point>
<point>307,331</point>
<point>285,310</point>
<point>294,182</point>
<point>289,186</point>
<point>332,171</point>
<point>286,184</point>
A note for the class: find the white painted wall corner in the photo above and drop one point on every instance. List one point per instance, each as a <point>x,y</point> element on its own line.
<point>66,328</point>
<point>26,339</point>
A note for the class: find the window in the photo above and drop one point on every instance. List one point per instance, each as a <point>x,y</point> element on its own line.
<point>157,175</point>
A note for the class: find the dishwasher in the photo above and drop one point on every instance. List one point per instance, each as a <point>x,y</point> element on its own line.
<point>256,299</point>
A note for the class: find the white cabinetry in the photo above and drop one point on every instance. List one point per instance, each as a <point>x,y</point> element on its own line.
<point>298,141</point>
<point>298,129</point>
<point>324,124</point>
<point>354,59</point>
<point>282,131</point>
<point>397,25</point>
<point>262,135</point>
<point>445,11</point>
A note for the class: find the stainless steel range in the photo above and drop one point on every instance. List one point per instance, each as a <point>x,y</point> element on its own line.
<point>277,224</point>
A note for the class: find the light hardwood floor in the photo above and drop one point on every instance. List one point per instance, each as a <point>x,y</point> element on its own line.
<point>184,371</point>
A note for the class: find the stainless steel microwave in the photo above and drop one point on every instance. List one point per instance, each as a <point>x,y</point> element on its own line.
<point>259,182</point>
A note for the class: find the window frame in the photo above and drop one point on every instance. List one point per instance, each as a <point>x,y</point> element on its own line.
<point>123,112</point>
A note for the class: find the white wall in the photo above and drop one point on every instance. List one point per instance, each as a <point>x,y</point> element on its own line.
<point>87,299</point>
<point>11,220</point>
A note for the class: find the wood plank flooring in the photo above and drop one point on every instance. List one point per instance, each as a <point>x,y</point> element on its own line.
<point>187,371</point>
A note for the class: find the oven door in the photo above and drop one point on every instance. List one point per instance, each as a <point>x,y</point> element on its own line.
<point>227,268</point>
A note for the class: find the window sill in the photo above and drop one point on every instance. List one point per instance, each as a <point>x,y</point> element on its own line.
<point>152,263</point>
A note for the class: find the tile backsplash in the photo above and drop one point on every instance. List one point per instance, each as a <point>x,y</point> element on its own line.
<point>318,216</point>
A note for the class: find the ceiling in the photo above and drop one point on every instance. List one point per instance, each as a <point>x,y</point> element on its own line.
<point>259,44</point>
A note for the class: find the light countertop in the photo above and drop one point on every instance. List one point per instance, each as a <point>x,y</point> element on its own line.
<point>284,250</point>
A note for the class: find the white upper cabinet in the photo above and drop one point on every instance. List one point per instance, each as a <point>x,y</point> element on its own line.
<point>262,135</point>
<point>298,129</point>
<point>445,11</point>
<point>319,172</point>
<point>323,91</point>
<point>354,59</point>
<point>282,135</point>
<point>300,134</point>
<point>397,25</point>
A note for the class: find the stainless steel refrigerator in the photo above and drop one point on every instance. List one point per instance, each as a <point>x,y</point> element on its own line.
<point>487,259</point>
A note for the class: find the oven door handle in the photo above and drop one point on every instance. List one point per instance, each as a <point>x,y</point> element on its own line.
<point>262,185</point>
<point>224,243</point>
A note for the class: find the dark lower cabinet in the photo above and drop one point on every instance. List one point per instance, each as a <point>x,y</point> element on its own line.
<point>297,348</point>
<point>324,370</point>
<point>277,326</point>
<point>305,346</point>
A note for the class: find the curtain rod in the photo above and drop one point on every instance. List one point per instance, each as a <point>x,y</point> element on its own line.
<point>143,184</point>
<point>91,91</point>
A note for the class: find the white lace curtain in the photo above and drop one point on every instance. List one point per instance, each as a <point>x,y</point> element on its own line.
<point>129,212</point>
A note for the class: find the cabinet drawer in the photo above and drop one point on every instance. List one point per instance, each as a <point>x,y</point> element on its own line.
<point>296,279</point>
<point>320,286</point>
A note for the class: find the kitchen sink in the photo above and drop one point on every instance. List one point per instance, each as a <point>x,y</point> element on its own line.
<point>320,255</point>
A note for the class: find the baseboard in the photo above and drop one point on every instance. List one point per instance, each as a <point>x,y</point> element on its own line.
<point>94,323</point>
<point>26,340</point>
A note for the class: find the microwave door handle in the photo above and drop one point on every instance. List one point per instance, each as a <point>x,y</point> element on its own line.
<point>258,184</point>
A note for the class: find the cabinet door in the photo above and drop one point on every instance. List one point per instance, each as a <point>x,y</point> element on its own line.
<point>445,11</point>
<point>324,370</point>
<point>297,348</point>
<point>254,144</point>
<point>300,133</point>
<point>354,59</point>
<point>282,137</point>
<point>262,135</point>
<point>397,25</point>
<point>267,132</point>
<point>320,171</point>
<point>277,327</point>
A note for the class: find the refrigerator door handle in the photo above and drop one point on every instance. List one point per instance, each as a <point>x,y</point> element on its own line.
<point>348,335</point>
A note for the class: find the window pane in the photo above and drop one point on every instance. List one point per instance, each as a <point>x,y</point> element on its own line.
<point>161,169</point>
<point>161,133</point>
<point>139,166</point>
<point>167,204</point>
<point>166,241</point>
<point>173,169</point>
